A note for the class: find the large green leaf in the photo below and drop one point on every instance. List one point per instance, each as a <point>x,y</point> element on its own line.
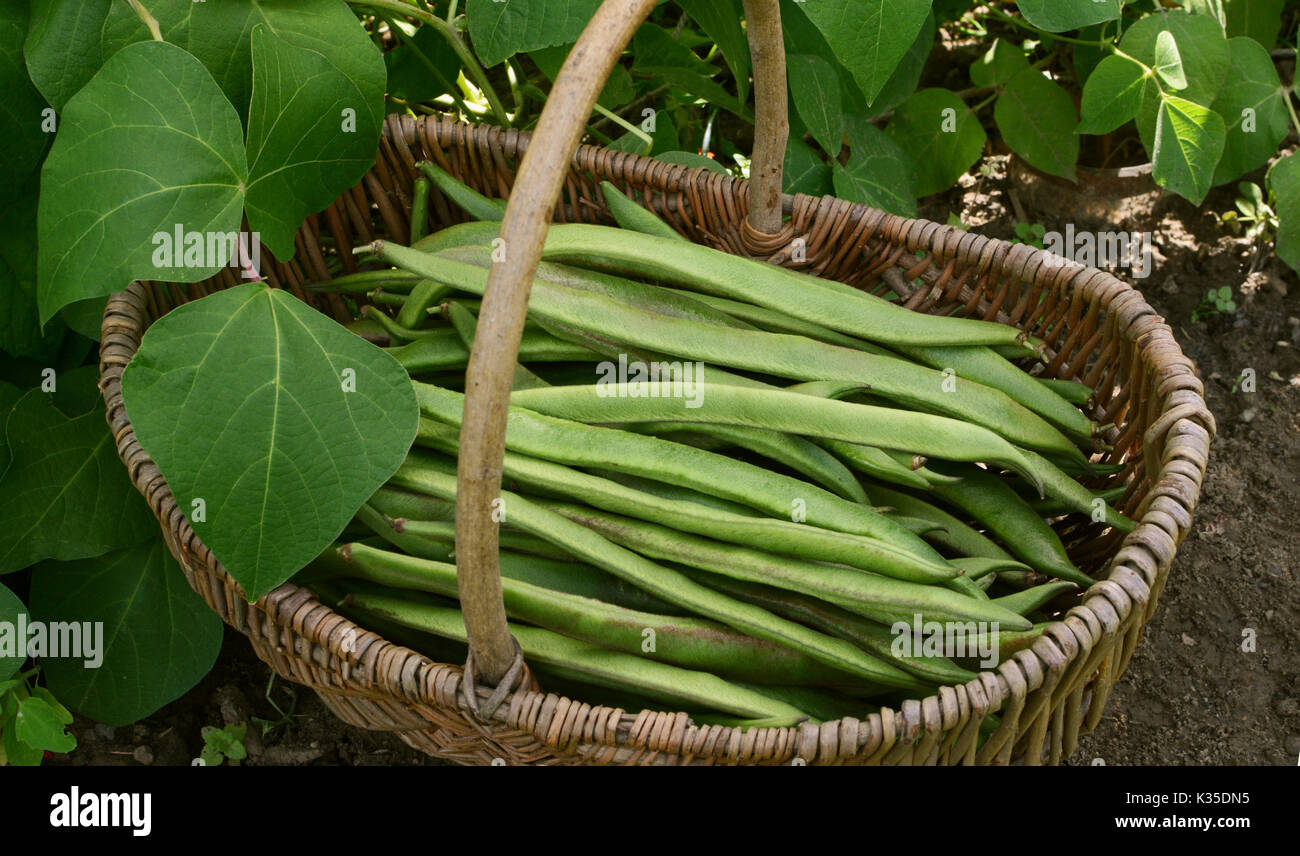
<point>869,37</point>
<point>409,78</point>
<point>1188,144</point>
<point>720,21</point>
<point>21,334</point>
<point>942,136</point>
<point>1284,181</point>
<point>41,725</point>
<point>815,91</point>
<point>1251,104</point>
<point>1201,47</point>
<point>159,637</point>
<point>878,173</point>
<point>1112,95</point>
<point>149,146</point>
<point>1037,120</point>
<point>21,108</point>
<point>313,132</point>
<point>66,494</point>
<point>804,170</point>
<point>1058,16</point>
<point>999,64</point>
<point>659,56</point>
<point>271,419</point>
<point>500,30</point>
<point>11,607</point>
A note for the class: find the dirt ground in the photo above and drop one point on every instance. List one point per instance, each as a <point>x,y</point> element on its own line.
<point>1191,695</point>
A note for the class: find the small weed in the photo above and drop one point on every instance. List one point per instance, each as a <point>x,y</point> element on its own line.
<point>1217,301</point>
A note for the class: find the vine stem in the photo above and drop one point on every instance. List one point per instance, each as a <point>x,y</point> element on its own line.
<point>463,53</point>
<point>1295,120</point>
<point>149,20</point>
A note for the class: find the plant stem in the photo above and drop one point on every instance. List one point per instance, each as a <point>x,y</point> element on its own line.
<point>1295,120</point>
<point>625,125</point>
<point>463,53</point>
<point>149,20</point>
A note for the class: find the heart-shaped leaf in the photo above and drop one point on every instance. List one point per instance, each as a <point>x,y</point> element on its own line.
<point>271,423</point>
<point>999,64</point>
<point>869,37</point>
<point>65,495</point>
<point>21,107</point>
<point>1201,47</point>
<point>149,147</point>
<point>815,91</point>
<point>941,135</point>
<point>1112,95</point>
<point>1188,144</point>
<point>312,130</point>
<point>1252,105</point>
<point>158,637</point>
<point>1169,63</point>
<point>804,170</point>
<point>63,46</point>
<point>1037,119</point>
<point>720,21</point>
<point>1284,180</point>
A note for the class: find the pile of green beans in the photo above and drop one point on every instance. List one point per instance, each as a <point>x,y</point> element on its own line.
<point>750,494</point>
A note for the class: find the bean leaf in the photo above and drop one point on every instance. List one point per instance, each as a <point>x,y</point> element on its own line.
<point>1260,20</point>
<point>271,423</point>
<point>158,639</point>
<point>64,46</point>
<point>1112,95</point>
<point>21,334</point>
<point>720,21</point>
<point>150,145</point>
<point>878,173</point>
<point>904,80</point>
<point>500,30</point>
<point>1188,143</point>
<point>1201,47</point>
<point>1169,63</point>
<point>1037,120</point>
<point>1284,180</point>
<point>11,660</point>
<point>869,37</point>
<point>815,90</point>
<point>313,130</point>
<point>41,725</point>
<point>22,108</point>
<point>1058,16</point>
<point>941,135</point>
<point>65,495</point>
<point>1251,103</point>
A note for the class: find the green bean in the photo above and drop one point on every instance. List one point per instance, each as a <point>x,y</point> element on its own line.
<point>772,535</point>
<point>775,410</point>
<point>977,567</point>
<point>383,298</point>
<point>1055,508</point>
<point>629,215</point>
<point>872,461</point>
<point>797,453</point>
<point>441,349</point>
<point>419,209</point>
<point>610,668</point>
<point>364,281</point>
<point>666,583</point>
<point>576,444</point>
<point>472,233</point>
<point>436,539</point>
<point>395,331</point>
<point>966,586</point>
<point>954,534</point>
<point>818,703</point>
<point>691,643</point>
<point>1072,391</point>
<point>474,203</point>
<point>1025,602</point>
<point>780,322</point>
<point>770,353</point>
<point>704,269</point>
<point>865,594</point>
<point>425,294</point>
<point>394,503</point>
<point>865,634</point>
<point>990,500</point>
<point>370,330</point>
<point>1059,486</point>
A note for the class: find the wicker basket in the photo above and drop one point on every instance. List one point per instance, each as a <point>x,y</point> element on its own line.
<point>1097,329</point>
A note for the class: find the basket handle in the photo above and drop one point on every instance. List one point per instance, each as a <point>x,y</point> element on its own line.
<point>488,377</point>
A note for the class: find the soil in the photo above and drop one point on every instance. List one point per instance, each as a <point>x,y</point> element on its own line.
<point>1196,691</point>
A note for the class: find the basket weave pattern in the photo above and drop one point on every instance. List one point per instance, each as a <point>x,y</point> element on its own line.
<point>1098,330</point>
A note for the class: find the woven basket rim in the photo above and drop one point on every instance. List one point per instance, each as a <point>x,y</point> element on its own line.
<point>1132,569</point>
